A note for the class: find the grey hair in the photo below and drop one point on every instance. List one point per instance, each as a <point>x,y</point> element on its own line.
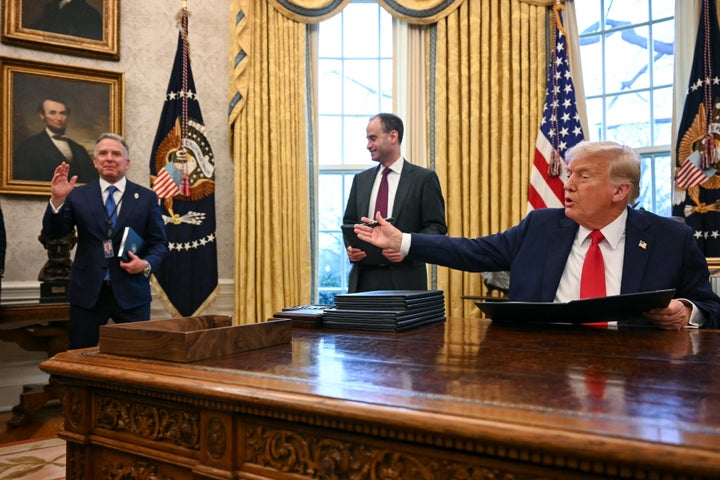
<point>113,136</point>
<point>624,162</point>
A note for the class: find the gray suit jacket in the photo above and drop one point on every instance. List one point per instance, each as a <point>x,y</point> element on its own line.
<point>418,207</point>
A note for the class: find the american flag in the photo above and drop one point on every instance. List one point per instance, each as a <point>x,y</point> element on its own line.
<point>166,183</point>
<point>560,128</point>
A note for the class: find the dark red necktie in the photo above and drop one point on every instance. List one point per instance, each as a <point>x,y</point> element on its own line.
<point>381,204</point>
<point>592,282</point>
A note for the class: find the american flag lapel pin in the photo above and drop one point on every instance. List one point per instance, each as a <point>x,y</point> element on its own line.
<point>642,245</point>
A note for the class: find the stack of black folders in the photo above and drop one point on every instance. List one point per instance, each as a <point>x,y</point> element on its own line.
<point>386,310</point>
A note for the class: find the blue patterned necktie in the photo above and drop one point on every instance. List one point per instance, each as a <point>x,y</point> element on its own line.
<point>111,208</point>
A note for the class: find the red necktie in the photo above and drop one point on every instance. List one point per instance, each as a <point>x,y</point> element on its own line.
<point>381,204</point>
<point>592,282</point>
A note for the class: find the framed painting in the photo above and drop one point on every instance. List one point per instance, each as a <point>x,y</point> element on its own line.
<point>53,113</point>
<point>89,28</point>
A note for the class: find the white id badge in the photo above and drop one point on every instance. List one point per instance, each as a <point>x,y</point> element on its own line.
<point>108,249</point>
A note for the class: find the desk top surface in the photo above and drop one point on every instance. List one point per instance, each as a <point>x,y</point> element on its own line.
<point>548,383</point>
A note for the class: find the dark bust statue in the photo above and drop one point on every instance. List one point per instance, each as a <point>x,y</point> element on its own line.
<point>57,268</point>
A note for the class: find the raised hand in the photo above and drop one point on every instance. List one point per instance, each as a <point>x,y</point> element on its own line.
<point>60,186</point>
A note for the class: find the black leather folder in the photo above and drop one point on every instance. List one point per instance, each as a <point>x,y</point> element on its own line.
<point>621,308</point>
<point>374,254</point>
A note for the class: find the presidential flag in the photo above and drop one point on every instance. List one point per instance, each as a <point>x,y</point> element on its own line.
<point>697,185</point>
<point>182,174</point>
<point>560,127</point>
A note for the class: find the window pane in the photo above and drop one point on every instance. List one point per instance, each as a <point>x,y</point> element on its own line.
<point>627,119</point>
<point>663,9</point>
<point>386,34</point>
<point>331,261</point>
<point>386,84</point>
<point>361,30</point>
<point>330,130</point>
<point>663,99</point>
<point>330,211</point>
<point>592,66</point>
<point>663,55</point>
<point>589,15</point>
<point>362,88</point>
<point>627,60</point>
<point>595,113</point>
<point>329,33</point>
<point>330,83</point>
<point>633,11</point>
<point>655,189</point>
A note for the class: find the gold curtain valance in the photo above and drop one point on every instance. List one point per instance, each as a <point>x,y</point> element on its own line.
<point>309,11</point>
<point>419,12</point>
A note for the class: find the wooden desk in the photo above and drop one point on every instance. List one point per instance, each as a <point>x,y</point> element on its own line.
<point>35,327</point>
<point>460,400</point>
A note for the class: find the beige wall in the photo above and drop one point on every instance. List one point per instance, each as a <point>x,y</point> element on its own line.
<point>148,38</point>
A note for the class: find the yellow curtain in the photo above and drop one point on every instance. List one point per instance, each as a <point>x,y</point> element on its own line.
<point>486,76</point>
<point>269,148</point>
<point>485,80</point>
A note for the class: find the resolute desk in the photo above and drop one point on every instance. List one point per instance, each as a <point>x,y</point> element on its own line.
<point>465,399</point>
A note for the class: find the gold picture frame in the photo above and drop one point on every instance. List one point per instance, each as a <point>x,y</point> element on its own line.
<point>88,28</point>
<point>90,100</point>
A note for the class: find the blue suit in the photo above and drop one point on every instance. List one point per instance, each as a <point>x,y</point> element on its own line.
<point>660,253</point>
<point>84,209</point>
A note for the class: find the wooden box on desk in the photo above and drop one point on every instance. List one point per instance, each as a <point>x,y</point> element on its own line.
<point>188,339</point>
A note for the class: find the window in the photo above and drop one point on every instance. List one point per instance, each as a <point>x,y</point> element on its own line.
<point>354,82</point>
<point>626,50</point>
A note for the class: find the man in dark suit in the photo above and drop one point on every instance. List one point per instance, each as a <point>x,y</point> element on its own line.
<point>414,201</point>
<point>102,286</point>
<point>36,157</point>
<point>546,251</point>
<point>71,17</point>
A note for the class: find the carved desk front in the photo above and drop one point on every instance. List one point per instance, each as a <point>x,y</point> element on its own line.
<point>461,400</point>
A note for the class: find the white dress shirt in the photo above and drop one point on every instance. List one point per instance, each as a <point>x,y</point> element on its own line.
<point>393,180</point>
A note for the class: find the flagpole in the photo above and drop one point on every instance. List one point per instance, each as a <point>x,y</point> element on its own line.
<point>184,96</point>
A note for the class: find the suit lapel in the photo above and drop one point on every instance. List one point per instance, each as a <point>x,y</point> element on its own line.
<point>51,147</point>
<point>365,184</point>
<point>93,199</point>
<point>129,201</point>
<point>406,179</point>
<point>559,242</point>
<point>638,242</point>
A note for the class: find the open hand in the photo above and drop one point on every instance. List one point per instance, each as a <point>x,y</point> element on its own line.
<point>382,234</point>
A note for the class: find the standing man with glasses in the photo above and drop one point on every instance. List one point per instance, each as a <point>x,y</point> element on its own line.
<point>396,188</point>
<point>102,286</point>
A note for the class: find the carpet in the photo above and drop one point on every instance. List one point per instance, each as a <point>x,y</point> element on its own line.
<point>35,460</point>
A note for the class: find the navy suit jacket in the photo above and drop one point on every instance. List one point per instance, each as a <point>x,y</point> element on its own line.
<point>660,253</point>
<point>418,207</point>
<point>84,209</point>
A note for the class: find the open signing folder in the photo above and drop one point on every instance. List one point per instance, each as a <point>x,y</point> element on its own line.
<point>627,307</point>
